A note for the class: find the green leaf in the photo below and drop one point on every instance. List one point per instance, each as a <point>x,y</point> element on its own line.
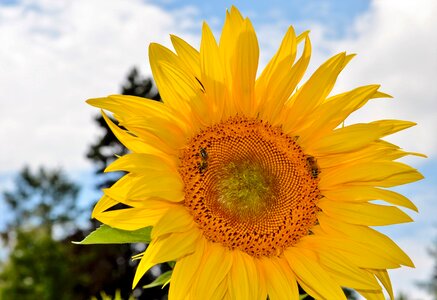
<point>301,297</point>
<point>109,235</point>
<point>162,279</point>
<point>171,264</point>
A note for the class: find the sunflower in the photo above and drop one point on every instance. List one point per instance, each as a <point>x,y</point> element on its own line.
<point>254,186</point>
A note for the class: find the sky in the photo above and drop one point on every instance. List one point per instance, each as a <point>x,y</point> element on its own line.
<point>55,54</point>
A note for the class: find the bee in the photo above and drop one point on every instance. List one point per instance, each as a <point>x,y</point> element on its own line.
<point>312,166</point>
<point>203,164</point>
<point>203,153</point>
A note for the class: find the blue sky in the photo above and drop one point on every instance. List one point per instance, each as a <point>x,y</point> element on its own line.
<point>337,14</point>
<point>59,53</point>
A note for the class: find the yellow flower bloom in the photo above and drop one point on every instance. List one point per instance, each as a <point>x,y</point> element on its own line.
<point>253,185</point>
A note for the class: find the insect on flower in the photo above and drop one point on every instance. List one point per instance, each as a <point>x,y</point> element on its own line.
<point>312,166</point>
<point>203,164</point>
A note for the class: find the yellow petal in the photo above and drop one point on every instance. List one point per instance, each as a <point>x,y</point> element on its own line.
<point>136,190</point>
<point>287,51</point>
<point>170,96</point>
<point>187,54</point>
<point>244,67</point>
<point>346,272</point>
<point>243,279</point>
<point>177,219</point>
<point>375,151</point>
<point>262,282</point>
<point>220,291</point>
<point>125,107</point>
<point>231,30</point>
<point>280,281</point>
<point>371,295</point>
<point>166,248</point>
<point>103,204</point>
<point>317,88</point>
<point>364,213</point>
<point>377,173</point>
<point>131,218</point>
<point>157,128</point>
<point>180,88</point>
<point>385,280</point>
<point>283,82</point>
<point>345,139</point>
<point>311,276</point>
<point>136,113</point>
<point>334,111</point>
<point>122,192</point>
<point>372,238</point>
<point>214,268</point>
<point>392,126</point>
<point>359,253</point>
<point>356,136</point>
<point>212,74</point>
<point>119,191</point>
<point>133,143</point>
<point>188,88</point>
<point>185,272</point>
<point>366,193</point>
<point>166,186</point>
<point>141,163</point>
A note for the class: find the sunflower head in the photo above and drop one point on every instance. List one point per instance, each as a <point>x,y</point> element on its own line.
<point>252,185</point>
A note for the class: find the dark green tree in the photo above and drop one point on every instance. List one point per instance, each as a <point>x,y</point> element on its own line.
<point>402,296</point>
<point>43,199</point>
<point>38,267</point>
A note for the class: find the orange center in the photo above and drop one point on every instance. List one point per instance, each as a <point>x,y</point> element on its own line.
<point>250,186</point>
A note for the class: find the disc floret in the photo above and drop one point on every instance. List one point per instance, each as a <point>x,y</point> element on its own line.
<point>245,189</point>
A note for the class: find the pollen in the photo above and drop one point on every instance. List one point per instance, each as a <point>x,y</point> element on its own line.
<point>248,186</point>
<point>244,189</point>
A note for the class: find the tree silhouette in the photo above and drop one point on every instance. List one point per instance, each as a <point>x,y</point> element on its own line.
<point>38,266</point>
<point>42,199</point>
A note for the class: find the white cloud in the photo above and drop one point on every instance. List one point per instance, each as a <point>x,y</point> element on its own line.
<point>55,55</point>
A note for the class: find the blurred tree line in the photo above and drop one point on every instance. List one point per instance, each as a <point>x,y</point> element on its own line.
<point>42,263</point>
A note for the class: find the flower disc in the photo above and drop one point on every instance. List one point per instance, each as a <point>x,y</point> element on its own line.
<point>253,189</point>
